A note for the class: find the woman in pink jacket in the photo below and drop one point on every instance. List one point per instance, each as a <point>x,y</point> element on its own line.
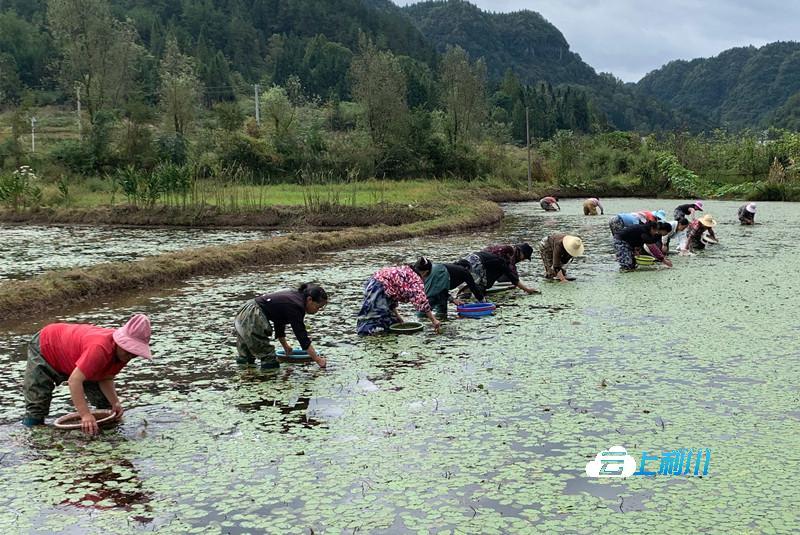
<point>389,287</point>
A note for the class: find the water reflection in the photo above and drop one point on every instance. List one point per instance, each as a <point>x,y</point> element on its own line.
<point>92,474</point>
<point>115,486</point>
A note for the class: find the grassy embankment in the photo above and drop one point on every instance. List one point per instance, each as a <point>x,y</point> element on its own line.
<point>455,211</point>
<point>273,205</point>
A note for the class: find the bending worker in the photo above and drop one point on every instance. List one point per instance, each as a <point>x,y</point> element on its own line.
<point>255,320</point>
<point>487,268</point>
<point>446,277</point>
<point>591,205</point>
<point>557,250</point>
<point>387,288</point>
<point>747,214</point>
<point>549,204</point>
<point>88,358</point>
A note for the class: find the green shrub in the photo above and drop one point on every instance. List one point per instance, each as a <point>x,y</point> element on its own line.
<point>249,154</point>
<point>508,163</point>
<point>765,191</point>
<point>228,116</point>
<point>660,172</point>
<point>172,148</point>
<point>73,156</point>
<point>351,150</point>
<point>99,141</point>
<point>10,151</point>
<point>20,188</point>
<point>64,196</point>
<point>129,180</point>
<point>205,164</point>
<point>464,163</point>
<point>172,180</point>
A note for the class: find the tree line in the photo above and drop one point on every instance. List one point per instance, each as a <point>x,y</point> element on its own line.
<point>156,95</point>
<point>368,110</point>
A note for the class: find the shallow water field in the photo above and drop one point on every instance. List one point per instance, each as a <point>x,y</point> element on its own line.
<point>29,250</point>
<point>486,428</point>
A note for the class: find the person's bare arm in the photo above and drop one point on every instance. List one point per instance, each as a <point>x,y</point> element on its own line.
<point>285,345</point>
<point>321,362</point>
<point>527,289</point>
<point>109,390</point>
<point>437,325</point>
<point>78,395</point>
<point>397,315</point>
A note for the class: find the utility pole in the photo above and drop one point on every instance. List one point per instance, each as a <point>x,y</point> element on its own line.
<point>33,134</point>
<point>528,145</point>
<point>258,110</point>
<point>80,123</point>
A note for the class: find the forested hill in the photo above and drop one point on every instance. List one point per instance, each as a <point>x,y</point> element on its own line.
<point>527,44</point>
<point>739,88</point>
<point>257,39</point>
<point>241,29</point>
<point>522,41</point>
<point>235,43</point>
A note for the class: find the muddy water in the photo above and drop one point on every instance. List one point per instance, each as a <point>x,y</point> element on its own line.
<point>29,250</point>
<point>485,428</point>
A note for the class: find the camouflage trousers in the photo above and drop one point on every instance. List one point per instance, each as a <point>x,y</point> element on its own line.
<point>40,381</point>
<point>254,336</point>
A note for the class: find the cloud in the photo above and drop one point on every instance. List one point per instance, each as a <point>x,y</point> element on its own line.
<point>630,38</point>
<point>614,462</point>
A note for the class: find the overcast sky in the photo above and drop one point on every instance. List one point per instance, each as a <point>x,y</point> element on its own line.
<point>630,38</point>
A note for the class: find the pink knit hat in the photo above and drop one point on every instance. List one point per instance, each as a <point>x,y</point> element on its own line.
<point>699,205</point>
<point>134,336</point>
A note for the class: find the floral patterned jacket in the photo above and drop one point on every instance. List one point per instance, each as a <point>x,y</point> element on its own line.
<point>402,284</point>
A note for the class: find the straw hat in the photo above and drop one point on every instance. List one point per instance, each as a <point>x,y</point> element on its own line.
<point>707,221</point>
<point>573,245</point>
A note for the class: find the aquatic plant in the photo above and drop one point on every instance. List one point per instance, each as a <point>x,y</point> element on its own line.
<point>476,430</point>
